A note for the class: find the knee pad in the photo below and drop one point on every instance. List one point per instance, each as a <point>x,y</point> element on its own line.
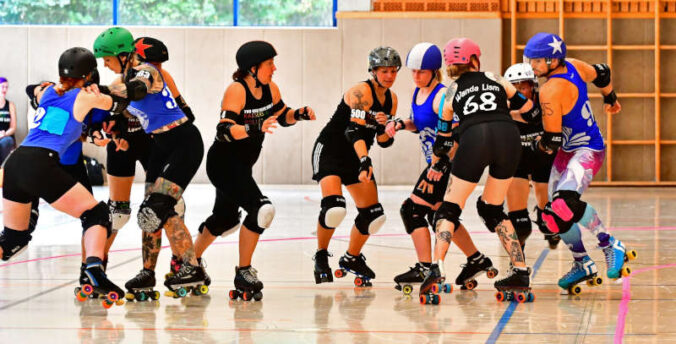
<point>155,210</point>
<point>98,215</point>
<point>13,242</point>
<point>120,212</point>
<point>260,218</point>
<point>413,215</point>
<point>219,225</point>
<point>522,225</point>
<point>491,215</point>
<point>565,210</point>
<point>370,220</point>
<point>179,208</point>
<point>448,212</point>
<point>333,211</point>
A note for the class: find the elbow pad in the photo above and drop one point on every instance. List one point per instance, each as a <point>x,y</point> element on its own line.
<point>517,101</point>
<point>119,104</point>
<point>353,132</point>
<point>387,143</point>
<point>552,141</point>
<point>223,133</point>
<point>442,145</point>
<point>602,75</point>
<point>533,115</point>
<point>136,89</point>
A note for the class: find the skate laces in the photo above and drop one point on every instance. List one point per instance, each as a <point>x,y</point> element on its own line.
<point>328,254</point>
<point>608,251</point>
<point>577,266</point>
<point>250,275</point>
<point>185,270</point>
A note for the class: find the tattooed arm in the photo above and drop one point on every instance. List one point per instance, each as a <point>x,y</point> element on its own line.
<point>550,103</point>
<point>359,99</point>
<point>146,81</point>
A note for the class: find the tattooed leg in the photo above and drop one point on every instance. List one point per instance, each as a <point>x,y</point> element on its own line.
<point>167,187</point>
<point>180,240</point>
<point>152,243</point>
<point>443,238</point>
<point>510,242</point>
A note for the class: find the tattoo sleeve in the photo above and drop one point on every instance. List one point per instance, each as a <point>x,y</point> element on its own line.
<point>167,187</point>
<point>180,239</point>
<point>358,101</point>
<point>152,243</point>
<point>511,243</point>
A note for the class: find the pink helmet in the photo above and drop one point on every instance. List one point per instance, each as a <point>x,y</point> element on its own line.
<point>460,50</point>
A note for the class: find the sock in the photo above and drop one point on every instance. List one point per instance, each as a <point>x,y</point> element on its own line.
<point>426,265</point>
<point>476,255</point>
<point>573,239</point>
<point>92,260</point>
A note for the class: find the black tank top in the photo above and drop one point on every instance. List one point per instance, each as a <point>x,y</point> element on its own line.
<point>341,118</point>
<point>5,118</point>
<point>478,97</point>
<point>530,131</point>
<point>254,113</point>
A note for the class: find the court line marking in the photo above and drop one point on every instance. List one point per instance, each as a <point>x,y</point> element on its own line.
<point>623,308</point>
<point>500,326</point>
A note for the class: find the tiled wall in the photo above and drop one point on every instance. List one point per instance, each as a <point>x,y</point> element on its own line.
<point>315,66</point>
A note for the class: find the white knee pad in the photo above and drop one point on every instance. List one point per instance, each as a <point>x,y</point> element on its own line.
<point>377,224</point>
<point>334,216</point>
<point>120,212</point>
<point>265,215</point>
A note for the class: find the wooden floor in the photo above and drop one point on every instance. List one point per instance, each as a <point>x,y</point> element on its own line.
<point>37,302</point>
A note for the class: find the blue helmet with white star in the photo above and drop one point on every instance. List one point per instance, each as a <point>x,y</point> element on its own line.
<point>545,45</point>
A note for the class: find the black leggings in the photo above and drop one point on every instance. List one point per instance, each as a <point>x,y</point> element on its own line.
<point>176,155</point>
<point>493,144</point>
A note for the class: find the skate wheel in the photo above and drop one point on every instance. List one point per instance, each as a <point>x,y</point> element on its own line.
<point>155,295</point>
<point>203,289</point>
<point>631,255</point>
<point>107,304</point>
<point>169,293</point>
<point>491,273</point>
<point>258,296</point>
<point>574,290</point>
<point>509,296</point>
<point>590,283</point>
<point>181,292</point>
<point>119,302</point>
<point>626,271</point>
<point>469,285</point>
<point>87,289</point>
<point>112,296</point>
<point>408,289</point>
<point>340,273</point>
<point>196,291</point>
<point>447,288</point>
<point>436,299</point>
<point>423,299</point>
<point>358,282</point>
<point>129,296</point>
<point>80,296</point>
<point>246,296</point>
<point>435,288</point>
<point>521,297</point>
<point>142,296</point>
<point>500,296</point>
<point>76,291</point>
<point>598,280</point>
<point>530,298</point>
<point>233,294</point>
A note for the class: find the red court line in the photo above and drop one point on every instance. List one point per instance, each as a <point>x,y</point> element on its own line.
<point>626,297</point>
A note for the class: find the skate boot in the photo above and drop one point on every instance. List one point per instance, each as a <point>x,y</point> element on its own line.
<point>516,286</point>
<point>99,283</point>
<point>141,287</point>
<point>84,280</point>
<point>415,274</point>
<point>617,257</point>
<point>247,284</point>
<point>188,278</point>
<point>356,265</point>
<point>474,268</point>
<point>432,285</point>
<point>203,264</point>
<point>174,266</point>
<point>584,270</point>
<point>322,268</point>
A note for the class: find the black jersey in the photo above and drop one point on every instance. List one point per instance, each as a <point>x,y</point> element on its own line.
<point>341,118</point>
<point>530,131</point>
<point>478,97</point>
<point>254,113</point>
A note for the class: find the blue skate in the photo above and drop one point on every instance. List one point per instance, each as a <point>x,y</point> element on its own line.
<point>584,270</point>
<point>617,257</point>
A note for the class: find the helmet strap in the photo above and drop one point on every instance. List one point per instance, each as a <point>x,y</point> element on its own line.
<point>431,79</point>
<point>375,78</point>
<point>254,75</point>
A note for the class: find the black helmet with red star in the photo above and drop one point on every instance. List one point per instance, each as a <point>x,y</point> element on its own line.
<point>149,49</point>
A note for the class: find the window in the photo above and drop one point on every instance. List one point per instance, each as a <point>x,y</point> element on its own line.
<point>66,12</point>
<point>175,12</point>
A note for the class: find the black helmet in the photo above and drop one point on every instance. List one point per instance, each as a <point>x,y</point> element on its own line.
<point>149,49</point>
<point>76,63</point>
<point>253,53</point>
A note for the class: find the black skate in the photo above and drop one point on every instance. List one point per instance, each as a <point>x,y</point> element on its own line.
<point>415,274</point>
<point>247,285</point>
<point>188,278</point>
<point>203,264</point>
<point>475,267</point>
<point>85,280</point>
<point>99,283</point>
<point>516,286</point>
<point>141,287</point>
<point>432,285</point>
<point>322,268</point>
<point>356,265</point>
<point>174,266</point>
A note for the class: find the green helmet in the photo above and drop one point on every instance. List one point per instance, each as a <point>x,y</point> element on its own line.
<point>113,42</point>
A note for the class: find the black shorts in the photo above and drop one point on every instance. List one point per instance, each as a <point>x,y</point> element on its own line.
<point>494,144</point>
<point>32,172</point>
<point>123,163</point>
<point>79,171</point>
<point>176,155</point>
<point>438,187</point>
<point>330,158</point>
<point>537,165</point>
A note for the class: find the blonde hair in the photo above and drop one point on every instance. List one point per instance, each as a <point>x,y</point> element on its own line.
<point>456,70</point>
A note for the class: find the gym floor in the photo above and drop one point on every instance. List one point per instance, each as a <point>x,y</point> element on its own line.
<point>37,302</point>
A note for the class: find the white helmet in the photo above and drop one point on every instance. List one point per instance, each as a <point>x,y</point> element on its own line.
<point>520,72</point>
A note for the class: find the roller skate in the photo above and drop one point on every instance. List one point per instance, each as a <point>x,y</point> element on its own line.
<point>141,287</point>
<point>203,264</point>
<point>515,287</point>
<point>84,280</point>
<point>584,270</point>
<point>99,283</point>
<point>356,265</point>
<point>189,278</point>
<point>415,274</point>
<point>617,258</point>
<point>247,284</point>
<point>432,285</point>
<point>322,268</point>
<point>174,266</point>
<point>475,267</point>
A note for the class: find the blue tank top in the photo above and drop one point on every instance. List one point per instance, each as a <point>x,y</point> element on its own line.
<point>425,120</point>
<point>156,110</point>
<point>72,154</point>
<point>579,127</point>
<point>54,126</point>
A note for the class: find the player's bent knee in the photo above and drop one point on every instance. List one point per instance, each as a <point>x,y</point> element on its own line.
<point>370,220</point>
<point>120,212</point>
<point>155,210</point>
<point>413,215</point>
<point>99,215</point>
<point>491,215</point>
<point>13,242</point>
<point>333,211</point>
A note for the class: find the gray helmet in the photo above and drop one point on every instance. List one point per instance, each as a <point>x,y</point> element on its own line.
<point>384,57</point>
